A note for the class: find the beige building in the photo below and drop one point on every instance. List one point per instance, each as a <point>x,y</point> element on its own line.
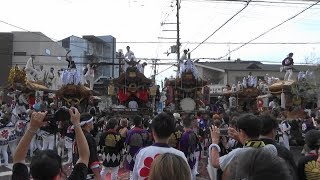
<point>220,74</point>
<point>46,51</point>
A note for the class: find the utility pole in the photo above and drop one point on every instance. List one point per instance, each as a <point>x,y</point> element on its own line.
<point>178,34</point>
<point>154,81</point>
<point>155,70</point>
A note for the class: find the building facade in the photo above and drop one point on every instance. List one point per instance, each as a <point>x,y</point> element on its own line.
<point>17,47</point>
<point>46,51</point>
<point>78,50</point>
<point>6,46</point>
<point>99,50</point>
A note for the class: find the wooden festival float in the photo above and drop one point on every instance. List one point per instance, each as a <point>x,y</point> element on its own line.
<point>293,96</point>
<point>18,82</point>
<point>186,93</point>
<point>73,93</point>
<point>242,98</point>
<point>132,85</point>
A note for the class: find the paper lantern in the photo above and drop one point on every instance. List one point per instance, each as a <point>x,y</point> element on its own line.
<point>110,90</point>
<point>153,90</point>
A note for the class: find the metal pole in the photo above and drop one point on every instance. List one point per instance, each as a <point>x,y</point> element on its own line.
<point>154,80</point>
<point>178,34</point>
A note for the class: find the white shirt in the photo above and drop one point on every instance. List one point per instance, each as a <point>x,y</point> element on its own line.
<point>225,160</point>
<point>284,129</point>
<point>148,154</point>
<point>183,57</point>
<point>41,75</point>
<point>140,68</point>
<point>272,104</point>
<point>22,99</point>
<point>129,55</point>
<point>29,66</point>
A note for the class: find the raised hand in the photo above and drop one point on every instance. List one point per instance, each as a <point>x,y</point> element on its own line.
<point>37,119</point>
<point>74,116</point>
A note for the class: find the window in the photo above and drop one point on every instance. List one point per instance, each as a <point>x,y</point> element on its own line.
<point>19,53</point>
<point>48,52</point>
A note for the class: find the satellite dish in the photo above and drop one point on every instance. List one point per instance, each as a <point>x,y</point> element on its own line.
<point>59,58</point>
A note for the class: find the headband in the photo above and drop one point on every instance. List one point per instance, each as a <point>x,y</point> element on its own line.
<point>83,123</point>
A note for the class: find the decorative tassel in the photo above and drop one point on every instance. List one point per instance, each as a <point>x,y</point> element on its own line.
<point>283,100</point>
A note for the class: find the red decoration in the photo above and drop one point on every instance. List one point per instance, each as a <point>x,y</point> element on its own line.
<point>122,96</point>
<point>170,95</point>
<point>32,100</point>
<point>5,134</point>
<point>260,104</point>
<point>144,172</point>
<point>142,95</point>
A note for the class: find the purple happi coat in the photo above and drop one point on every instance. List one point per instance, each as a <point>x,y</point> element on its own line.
<point>137,138</point>
<point>188,145</point>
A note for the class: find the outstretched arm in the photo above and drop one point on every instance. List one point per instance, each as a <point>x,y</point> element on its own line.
<point>214,148</point>
<point>81,140</point>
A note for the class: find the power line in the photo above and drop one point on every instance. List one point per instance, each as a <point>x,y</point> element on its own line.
<point>189,42</point>
<point>169,60</point>
<point>292,17</point>
<point>165,69</point>
<point>222,26</point>
<point>293,2</point>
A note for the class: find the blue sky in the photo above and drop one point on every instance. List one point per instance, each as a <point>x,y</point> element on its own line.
<point>139,20</point>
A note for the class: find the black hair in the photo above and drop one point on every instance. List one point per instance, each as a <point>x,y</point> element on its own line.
<point>163,125</point>
<point>146,123</point>
<point>5,119</point>
<point>187,121</point>
<point>258,163</point>
<point>137,120</point>
<point>250,124</point>
<point>268,123</point>
<point>45,164</point>
<point>111,124</point>
<point>313,139</point>
<point>217,123</point>
<point>233,121</point>
<point>85,117</point>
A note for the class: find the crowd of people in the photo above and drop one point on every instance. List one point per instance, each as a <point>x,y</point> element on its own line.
<point>165,146</point>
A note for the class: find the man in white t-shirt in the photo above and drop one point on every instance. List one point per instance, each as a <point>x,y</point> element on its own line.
<point>163,125</point>
<point>129,54</point>
<point>249,127</point>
